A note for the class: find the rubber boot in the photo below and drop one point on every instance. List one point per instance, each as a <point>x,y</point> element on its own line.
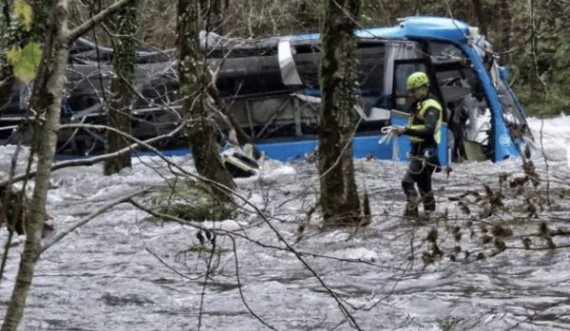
<point>411,208</point>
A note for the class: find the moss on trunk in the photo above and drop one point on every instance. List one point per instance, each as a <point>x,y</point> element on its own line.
<point>125,47</point>
<point>46,99</point>
<point>339,197</point>
<point>193,87</point>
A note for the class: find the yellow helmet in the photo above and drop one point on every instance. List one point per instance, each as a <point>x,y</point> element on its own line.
<point>417,79</point>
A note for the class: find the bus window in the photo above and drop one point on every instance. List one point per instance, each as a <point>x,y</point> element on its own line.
<point>370,67</point>
<point>442,52</point>
<point>513,113</point>
<point>401,73</point>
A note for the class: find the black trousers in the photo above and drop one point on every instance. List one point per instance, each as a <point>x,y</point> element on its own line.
<point>420,173</point>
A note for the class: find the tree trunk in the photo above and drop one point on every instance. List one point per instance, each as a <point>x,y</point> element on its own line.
<point>6,12</point>
<point>46,99</point>
<point>479,11</point>
<point>214,12</point>
<point>507,25</point>
<point>193,89</point>
<point>338,194</point>
<point>306,17</point>
<point>123,96</point>
<point>6,81</point>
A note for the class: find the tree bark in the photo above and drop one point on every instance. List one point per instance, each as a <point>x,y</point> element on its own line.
<point>6,81</point>
<point>123,96</point>
<point>46,99</point>
<point>507,25</point>
<point>193,90</point>
<point>338,193</point>
<point>6,12</point>
<point>214,12</point>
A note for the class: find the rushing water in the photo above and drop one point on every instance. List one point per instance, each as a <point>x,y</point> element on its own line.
<point>124,272</point>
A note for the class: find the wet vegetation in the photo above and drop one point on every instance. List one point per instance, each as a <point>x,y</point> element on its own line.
<point>191,201</point>
<point>515,212</point>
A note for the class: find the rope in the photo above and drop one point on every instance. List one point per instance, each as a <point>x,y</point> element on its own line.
<point>422,159</point>
<point>387,134</point>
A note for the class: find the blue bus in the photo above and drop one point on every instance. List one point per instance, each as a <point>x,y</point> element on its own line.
<point>270,88</point>
<point>273,87</point>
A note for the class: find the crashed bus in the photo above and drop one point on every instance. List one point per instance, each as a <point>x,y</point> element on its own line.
<point>273,84</point>
<point>270,87</point>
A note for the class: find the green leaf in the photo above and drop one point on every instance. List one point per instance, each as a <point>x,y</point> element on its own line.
<point>25,13</point>
<point>26,68</point>
<point>14,55</point>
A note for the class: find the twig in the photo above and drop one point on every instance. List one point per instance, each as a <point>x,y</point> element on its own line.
<point>234,247</point>
<point>5,254</point>
<point>8,187</point>
<point>97,159</point>
<point>545,162</point>
<point>203,293</point>
<point>90,24</point>
<point>170,267</point>
<point>289,247</point>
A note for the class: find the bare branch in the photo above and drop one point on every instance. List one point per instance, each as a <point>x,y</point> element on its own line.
<point>298,255</point>
<point>93,21</point>
<point>236,262</point>
<point>169,267</point>
<point>96,159</point>
<point>205,285</point>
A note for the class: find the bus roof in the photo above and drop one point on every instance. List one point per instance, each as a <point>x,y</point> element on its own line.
<point>411,27</point>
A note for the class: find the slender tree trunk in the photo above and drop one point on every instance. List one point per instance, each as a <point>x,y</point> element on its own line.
<point>305,16</point>
<point>6,81</point>
<point>6,12</point>
<point>123,96</point>
<point>507,25</point>
<point>46,99</point>
<point>339,197</point>
<point>6,76</point>
<point>479,11</point>
<point>193,88</point>
<point>214,12</point>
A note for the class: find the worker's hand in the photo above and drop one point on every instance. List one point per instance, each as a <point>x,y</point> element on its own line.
<point>398,130</point>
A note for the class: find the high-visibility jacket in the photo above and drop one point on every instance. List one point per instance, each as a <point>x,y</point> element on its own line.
<point>416,121</point>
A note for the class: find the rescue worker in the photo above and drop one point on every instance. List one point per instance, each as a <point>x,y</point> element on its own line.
<point>423,128</point>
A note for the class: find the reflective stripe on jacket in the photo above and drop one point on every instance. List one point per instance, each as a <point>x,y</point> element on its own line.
<point>416,121</point>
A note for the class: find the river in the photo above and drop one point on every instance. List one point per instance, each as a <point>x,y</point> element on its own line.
<point>123,271</point>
